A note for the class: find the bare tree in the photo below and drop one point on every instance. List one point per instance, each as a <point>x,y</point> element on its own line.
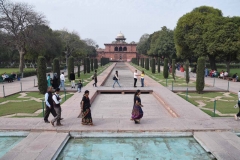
<point>90,42</point>
<point>71,41</point>
<point>18,21</point>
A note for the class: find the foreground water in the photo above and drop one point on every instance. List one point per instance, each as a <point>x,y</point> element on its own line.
<point>7,143</point>
<point>133,149</point>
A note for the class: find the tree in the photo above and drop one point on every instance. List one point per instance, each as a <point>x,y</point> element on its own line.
<point>200,75</point>
<point>78,72</point>
<point>41,71</point>
<point>153,66</point>
<point>165,46</point>
<point>165,69</point>
<point>71,43</point>
<point>147,63</point>
<point>70,66</point>
<point>19,21</point>
<point>88,65</point>
<point>173,68</point>
<point>56,67</point>
<point>187,71</point>
<point>95,63</point>
<point>142,44</point>
<point>158,63</point>
<point>84,65</point>
<point>190,30</point>
<point>91,64</point>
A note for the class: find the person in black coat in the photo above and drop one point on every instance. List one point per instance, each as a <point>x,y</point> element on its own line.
<point>55,81</point>
<point>72,79</point>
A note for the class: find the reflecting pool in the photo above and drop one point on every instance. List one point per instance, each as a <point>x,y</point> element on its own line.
<point>133,149</point>
<point>7,143</point>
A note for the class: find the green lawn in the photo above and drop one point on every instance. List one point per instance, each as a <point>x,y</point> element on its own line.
<point>224,102</point>
<point>24,105</point>
<point>10,70</point>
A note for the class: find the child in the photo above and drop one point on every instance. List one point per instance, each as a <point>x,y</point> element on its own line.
<point>79,86</point>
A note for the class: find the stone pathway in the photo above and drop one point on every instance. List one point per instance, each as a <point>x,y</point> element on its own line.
<point>164,112</point>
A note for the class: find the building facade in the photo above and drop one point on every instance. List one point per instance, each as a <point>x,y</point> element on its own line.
<point>118,50</point>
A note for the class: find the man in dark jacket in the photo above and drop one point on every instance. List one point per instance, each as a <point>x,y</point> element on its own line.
<point>95,78</point>
<point>49,105</point>
<point>72,79</point>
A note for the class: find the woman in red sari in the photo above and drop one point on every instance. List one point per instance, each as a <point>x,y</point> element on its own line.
<point>137,112</point>
<point>85,109</point>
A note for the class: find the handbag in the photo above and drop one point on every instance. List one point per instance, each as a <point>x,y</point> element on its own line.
<point>114,78</point>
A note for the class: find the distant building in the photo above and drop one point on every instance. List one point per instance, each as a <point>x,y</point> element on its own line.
<point>118,50</point>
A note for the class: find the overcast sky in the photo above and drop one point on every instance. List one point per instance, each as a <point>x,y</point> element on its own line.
<point>102,20</point>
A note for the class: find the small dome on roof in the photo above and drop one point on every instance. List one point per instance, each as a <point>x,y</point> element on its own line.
<point>120,35</point>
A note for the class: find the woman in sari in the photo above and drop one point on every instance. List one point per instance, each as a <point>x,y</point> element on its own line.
<point>85,109</point>
<point>137,112</point>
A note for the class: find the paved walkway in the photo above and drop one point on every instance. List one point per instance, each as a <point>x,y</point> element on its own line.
<point>25,84</point>
<point>164,111</point>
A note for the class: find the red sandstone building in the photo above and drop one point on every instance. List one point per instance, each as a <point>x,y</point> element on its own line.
<point>118,50</point>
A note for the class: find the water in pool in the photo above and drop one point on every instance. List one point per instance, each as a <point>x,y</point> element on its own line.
<point>7,143</point>
<point>133,149</point>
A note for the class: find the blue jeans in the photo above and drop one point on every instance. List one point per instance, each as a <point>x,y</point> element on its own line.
<point>116,81</point>
<point>79,90</point>
<point>62,84</point>
<point>142,82</point>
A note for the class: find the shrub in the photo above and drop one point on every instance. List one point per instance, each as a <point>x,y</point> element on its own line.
<point>70,66</point>
<point>165,69</point>
<point>56,68</point>
<point>78,71</point>
<point>173,68</point>
<point>84,66</point>
<point>200,75</point>
<point>187,71</point>
<point>147,63</point>
<point>153,66</point>
<point>158,65</point>
<point>95,63</point>
<point>91,64</point>
<point>42,80</point>
<point>88,65</point>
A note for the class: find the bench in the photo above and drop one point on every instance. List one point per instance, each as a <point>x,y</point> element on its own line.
<point>1,80</point>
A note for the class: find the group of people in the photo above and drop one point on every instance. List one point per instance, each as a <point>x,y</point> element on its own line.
<point>54,82</point>
<point>8,78</point>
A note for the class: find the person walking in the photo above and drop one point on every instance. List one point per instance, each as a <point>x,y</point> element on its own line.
<point>79,86</point>
<point>137,112</point>
<point>116,78</point>
<point>142,78</point>
<point>57,107</point>
<point>48,80</point>
<point>72,79</point>
<point>55,81</point>
<point>135,78</point>
<point>95,78</point>
<point>85,109</point>
<point>62,81</point>
<point>49,105</point>
<point>237,116</point>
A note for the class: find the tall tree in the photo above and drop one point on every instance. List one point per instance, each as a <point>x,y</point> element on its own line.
<point>19,21</point>
<point>189,32</point>
<point>142,44</point>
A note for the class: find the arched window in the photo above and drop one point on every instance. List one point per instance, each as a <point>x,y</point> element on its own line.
<point>116,49</point>
<point>120,48</point>
<point>124,48</point>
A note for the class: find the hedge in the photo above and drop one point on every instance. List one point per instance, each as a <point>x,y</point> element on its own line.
<point>153,66</point>
<point>187,71</point>
<point>70,66</point>
<point>173,68</point>
<point>42,80</point>
<point>165,69</point>
<point>200,74</point>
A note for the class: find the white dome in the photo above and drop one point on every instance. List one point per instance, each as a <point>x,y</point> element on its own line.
<point>120,35</point>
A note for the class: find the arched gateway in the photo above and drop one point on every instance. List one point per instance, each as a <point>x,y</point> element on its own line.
<point>118,50</point>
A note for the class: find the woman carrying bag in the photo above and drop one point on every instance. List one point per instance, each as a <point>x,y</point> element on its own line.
<point>115,78</point>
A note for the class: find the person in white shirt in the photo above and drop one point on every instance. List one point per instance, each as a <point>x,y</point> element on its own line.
<point>62,81</point>
<point>57,107</point>
<point>135,78</point>
<point>225,74</point>
<point>237,116</point>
